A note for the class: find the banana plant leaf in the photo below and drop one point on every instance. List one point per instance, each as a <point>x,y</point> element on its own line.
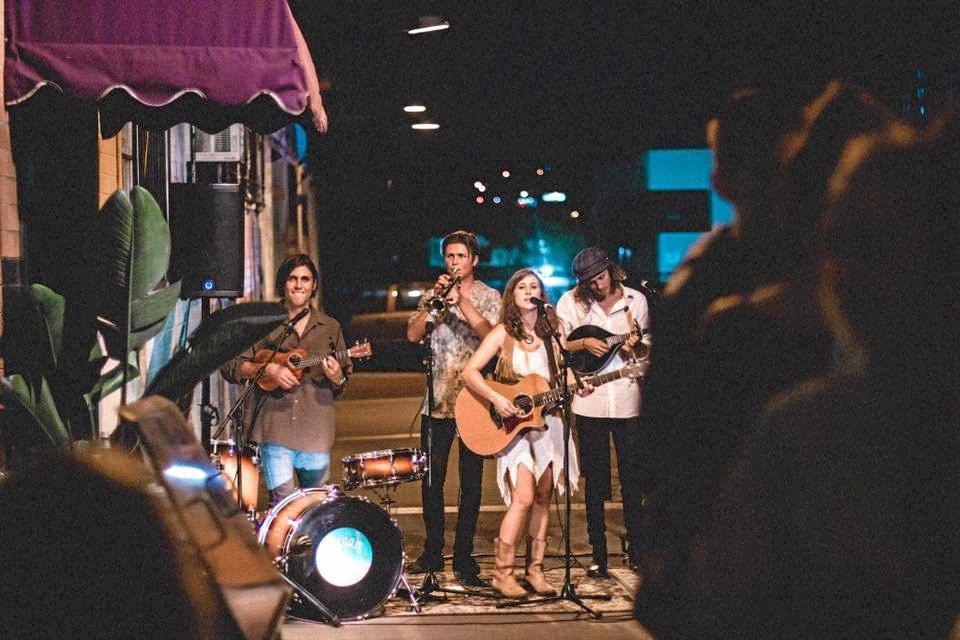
<point>30,405</point>
<point>223,336</point>
<point>39,341</point>
<point>50,307</point>
<point>134,257</point>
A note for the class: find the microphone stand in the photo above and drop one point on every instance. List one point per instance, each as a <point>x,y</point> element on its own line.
<point>567,591</point>
<point>430,583</point>
<point>237,429</point>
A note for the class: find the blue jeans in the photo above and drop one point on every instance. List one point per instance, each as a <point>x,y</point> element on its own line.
<point>279,464</point>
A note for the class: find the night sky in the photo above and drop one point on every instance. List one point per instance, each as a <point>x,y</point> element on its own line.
<point>579,87</point>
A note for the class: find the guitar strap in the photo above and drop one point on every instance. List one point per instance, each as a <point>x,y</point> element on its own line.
<point>633,325</point>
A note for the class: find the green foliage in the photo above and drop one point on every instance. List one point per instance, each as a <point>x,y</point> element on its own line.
<point>134,256</point>
<point>130,245</point>
<point>28,395</point>
<point>223,336</point>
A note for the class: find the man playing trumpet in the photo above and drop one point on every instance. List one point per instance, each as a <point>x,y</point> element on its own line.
<point>459,312</point>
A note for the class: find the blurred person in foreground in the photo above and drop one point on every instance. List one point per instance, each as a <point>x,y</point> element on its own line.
<point>86,552</point>
<point>753,342</point>
<point>841,518</point>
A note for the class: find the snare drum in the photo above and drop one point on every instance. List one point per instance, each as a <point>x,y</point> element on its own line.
<point>225,457</point>
<point>387,467</point>
<point>344,550</point>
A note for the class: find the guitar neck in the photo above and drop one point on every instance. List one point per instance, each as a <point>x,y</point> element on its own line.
<point>613,341</point>
<point>317,358</point>
<point>555,394</point>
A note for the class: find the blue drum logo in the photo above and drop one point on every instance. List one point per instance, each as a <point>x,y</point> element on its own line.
<point>344,556</point>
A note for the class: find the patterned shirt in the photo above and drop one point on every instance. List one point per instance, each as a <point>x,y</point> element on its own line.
<point>453,342</point>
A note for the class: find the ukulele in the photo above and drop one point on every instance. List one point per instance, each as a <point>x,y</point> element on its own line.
<point>486,432</point>
<point>585,362</point>
<point>297,360</point>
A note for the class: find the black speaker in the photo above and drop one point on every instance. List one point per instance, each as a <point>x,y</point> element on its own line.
<point>206,224</point>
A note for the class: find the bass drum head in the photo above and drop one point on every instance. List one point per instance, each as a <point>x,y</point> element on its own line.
<point>355,559</point>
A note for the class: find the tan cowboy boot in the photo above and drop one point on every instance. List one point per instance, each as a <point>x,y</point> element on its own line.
<point>503,580</point>
<point>534,572</point>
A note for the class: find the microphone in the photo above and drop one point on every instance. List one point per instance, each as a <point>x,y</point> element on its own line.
<point>297,318</point>
<point>543,306</point>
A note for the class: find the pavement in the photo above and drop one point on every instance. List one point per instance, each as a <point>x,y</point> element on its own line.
<point>380,412</point>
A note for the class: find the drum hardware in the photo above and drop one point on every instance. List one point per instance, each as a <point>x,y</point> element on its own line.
<point>382,471</point>
<point>340,552</point>
<point>224,456</point>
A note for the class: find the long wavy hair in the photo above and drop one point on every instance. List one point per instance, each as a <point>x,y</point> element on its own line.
<point>510,312</point>
<point>584,295</point>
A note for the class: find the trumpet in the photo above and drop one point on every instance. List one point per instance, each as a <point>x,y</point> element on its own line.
<point>437,305</point>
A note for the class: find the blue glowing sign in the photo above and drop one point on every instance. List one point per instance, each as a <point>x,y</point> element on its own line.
<point>529,201</point>
<point>554,196</point>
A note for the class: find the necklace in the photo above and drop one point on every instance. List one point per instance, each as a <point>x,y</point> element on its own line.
<point>528,338</point>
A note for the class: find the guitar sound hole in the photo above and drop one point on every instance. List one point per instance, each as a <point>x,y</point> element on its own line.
<point>294,359</point>
<point>524,403</point>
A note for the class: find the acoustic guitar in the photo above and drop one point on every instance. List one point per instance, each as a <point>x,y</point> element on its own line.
<point>486,432</point>
<point>297,360</point>
<point>585,362</point>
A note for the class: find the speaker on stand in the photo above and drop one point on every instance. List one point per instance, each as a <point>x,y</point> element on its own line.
<point>206,225</point>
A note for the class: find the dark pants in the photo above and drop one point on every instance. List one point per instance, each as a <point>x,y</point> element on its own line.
<point>594,440</point>
<point>471,475</point>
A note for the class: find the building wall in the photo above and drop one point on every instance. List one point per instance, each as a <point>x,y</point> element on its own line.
<point>110,169</point>
<point>10,252</point>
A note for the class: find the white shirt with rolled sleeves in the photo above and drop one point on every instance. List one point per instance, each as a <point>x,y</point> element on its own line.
<point>620,398</point>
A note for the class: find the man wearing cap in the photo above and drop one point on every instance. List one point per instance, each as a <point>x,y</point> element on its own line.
<point>601,299</point>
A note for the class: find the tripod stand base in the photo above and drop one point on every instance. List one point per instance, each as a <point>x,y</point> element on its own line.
<point>431,585</point>
<point>567,594</point>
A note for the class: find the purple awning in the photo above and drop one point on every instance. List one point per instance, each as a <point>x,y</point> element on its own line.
<point>208,62</point>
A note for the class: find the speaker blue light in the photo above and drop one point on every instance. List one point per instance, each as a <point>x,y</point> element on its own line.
<point>208,284</point>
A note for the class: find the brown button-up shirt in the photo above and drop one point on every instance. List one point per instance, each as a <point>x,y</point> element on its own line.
<point>302,418</point>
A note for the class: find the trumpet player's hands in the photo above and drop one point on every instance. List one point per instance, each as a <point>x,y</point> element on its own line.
<point>595,346</point>
<point>504,407</point>
<point>453,296</point>
<point>282,375</point>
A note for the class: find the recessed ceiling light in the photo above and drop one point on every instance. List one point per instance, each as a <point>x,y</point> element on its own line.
<point>427,24</point>
<point>425,126</point>
<point>414,108</point>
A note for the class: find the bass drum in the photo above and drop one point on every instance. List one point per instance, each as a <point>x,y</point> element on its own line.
<point>345,551</point>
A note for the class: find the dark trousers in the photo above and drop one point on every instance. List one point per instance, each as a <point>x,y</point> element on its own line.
<point>593,436</point>
<point>442,434</point>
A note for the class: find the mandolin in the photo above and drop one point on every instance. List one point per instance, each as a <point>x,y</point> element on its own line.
<point>585,362</point>
<point>297,360</point>
<point>486,432</point>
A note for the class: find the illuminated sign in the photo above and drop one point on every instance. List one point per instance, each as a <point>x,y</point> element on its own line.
<point>344,557</point>
<point>554,196</point>
<point>529,201</point>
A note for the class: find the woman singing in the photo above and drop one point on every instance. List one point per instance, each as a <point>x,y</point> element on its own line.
<point>528,467</point>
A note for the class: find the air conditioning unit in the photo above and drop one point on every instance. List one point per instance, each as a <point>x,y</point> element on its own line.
<point>223,146</point>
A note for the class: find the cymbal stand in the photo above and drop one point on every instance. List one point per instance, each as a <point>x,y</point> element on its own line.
<point>568,592</point>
